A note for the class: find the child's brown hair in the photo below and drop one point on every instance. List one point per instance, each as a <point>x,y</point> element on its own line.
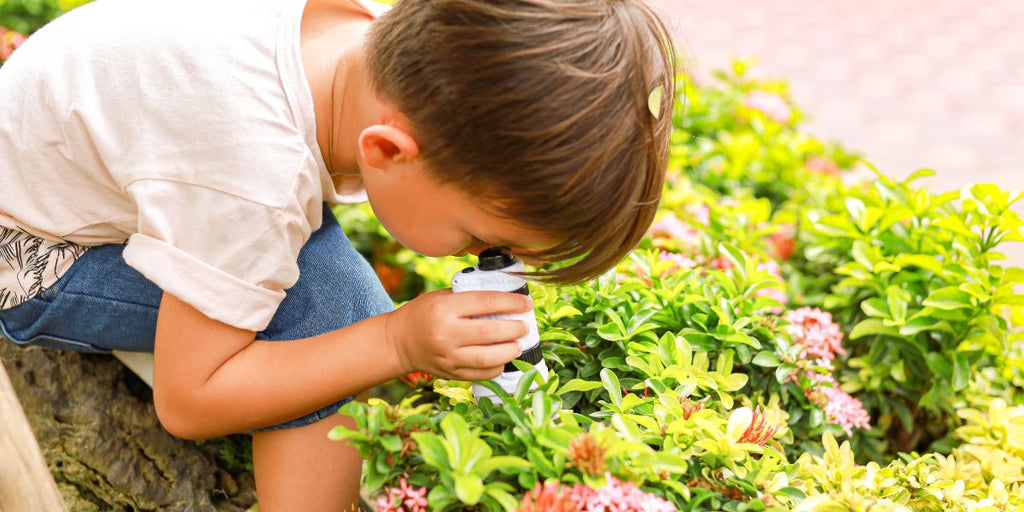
<point>540,107</point>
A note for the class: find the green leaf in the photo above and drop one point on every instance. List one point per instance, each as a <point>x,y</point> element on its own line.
<point>862,254</point>
<point>542,410</point>
<point>578,385</point>
<point>456,433</point>
<point>895,298</point>
<point>611,384</point>
<point>938,363</point>
<point>611,332</point>
<point>929,263</point>
<point>506,500</point>
<point>855,207</point>
<point>507,464</point>
<point>956,225</point>
<point>670,462</point>
<point>524,383</point>
<point>868,218</point>
<point>440,497</point>
<point>564,311</point>
<point>793,492</point>
<point>432,449</point>
<point>469,488</point>
<point>875,307</point>
<point>898,372</point>
<point>733,254</point>
<point>783,372</point>
<point>961,371</point>
<point>766,358</point>
<point>872,326</point>
<point>924,323</point>
<point>948,298</point>
<point>391,442</point>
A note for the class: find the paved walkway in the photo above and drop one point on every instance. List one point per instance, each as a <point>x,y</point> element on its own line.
<point>908,83</point>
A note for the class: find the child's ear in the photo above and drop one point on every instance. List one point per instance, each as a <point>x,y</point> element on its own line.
<point>382,145</point>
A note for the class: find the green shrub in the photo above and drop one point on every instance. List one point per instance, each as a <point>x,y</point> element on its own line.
<point>778,303</point>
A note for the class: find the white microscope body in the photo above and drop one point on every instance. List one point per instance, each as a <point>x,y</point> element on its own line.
<point>496,271</point>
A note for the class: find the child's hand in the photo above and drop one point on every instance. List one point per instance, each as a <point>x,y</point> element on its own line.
<point>438,334</point>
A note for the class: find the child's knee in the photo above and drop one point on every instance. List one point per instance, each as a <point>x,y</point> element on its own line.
<point>336,288</point>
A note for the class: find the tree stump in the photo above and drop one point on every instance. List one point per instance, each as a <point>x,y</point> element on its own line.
<point>98,431</point>
<point>25,482</point>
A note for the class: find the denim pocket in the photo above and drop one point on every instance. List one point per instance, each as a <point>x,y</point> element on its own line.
<point>21,324</point>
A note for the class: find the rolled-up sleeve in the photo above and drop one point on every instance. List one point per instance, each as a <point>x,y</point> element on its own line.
<point>229,257</point>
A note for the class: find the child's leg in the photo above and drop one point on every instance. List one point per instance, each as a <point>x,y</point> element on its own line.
<point>300,469</point>
<point>297,467</point>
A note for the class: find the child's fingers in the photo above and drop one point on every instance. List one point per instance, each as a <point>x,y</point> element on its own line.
<point>479,303</point>
<point>480,331</point>
<point>474,374</point>
<point>490,359</point>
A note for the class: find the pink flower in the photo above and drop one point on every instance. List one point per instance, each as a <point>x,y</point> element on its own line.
<point>9,41</point>
<point>416,379</point>
<point>782,244</point>
<point>720,263</point>
<point>681,261</point>
<point>618,496</point>
<point>820,338</point>
<point>551,497</point>
<point>386,503</point>
<point>821,165</point>
<point>769,104</point>
<point>673,227</point>
<point>813,329</point>
<point>844,410</point>
<point>700,213</point>
<point>404,498</point>
<point>615,496</point>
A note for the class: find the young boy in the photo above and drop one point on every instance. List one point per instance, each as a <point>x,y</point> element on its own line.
<point>164,168</point>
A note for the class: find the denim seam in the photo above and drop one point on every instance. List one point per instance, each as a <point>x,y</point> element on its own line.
<point>7,335</point>
<point>120,301</point>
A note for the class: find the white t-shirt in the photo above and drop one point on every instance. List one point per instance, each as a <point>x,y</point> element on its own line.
<point>182,127</point>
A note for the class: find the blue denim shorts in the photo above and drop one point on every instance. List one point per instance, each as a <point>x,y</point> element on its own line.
<point>101,304</point>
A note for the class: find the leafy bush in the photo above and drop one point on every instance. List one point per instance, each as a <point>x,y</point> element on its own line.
<point>781,300</point>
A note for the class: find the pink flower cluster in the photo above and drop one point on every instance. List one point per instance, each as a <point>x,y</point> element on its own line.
<point>814,330</point>
<point>9,41</point>
<point>404,498</point>
<point>841,408</point>
<point>822,165</point>
<point>685,242</point>
<point>615,496</point>
<point>673,227</point>
<point>821,340</point>
<point>769,104</point>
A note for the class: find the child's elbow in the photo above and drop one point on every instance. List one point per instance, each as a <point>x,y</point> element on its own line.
<point>178,418</point>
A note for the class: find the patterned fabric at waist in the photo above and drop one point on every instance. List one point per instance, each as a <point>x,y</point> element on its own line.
<point>30,264</point>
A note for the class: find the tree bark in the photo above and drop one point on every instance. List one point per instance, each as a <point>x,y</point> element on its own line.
<point>98,431</point>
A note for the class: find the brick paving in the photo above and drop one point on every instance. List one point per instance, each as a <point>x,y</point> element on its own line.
<point>907,83</point>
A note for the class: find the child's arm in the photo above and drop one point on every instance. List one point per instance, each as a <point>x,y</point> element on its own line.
<point>212,379</point>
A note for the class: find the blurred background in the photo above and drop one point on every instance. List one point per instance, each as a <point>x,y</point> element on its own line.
<point>907,83</point>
